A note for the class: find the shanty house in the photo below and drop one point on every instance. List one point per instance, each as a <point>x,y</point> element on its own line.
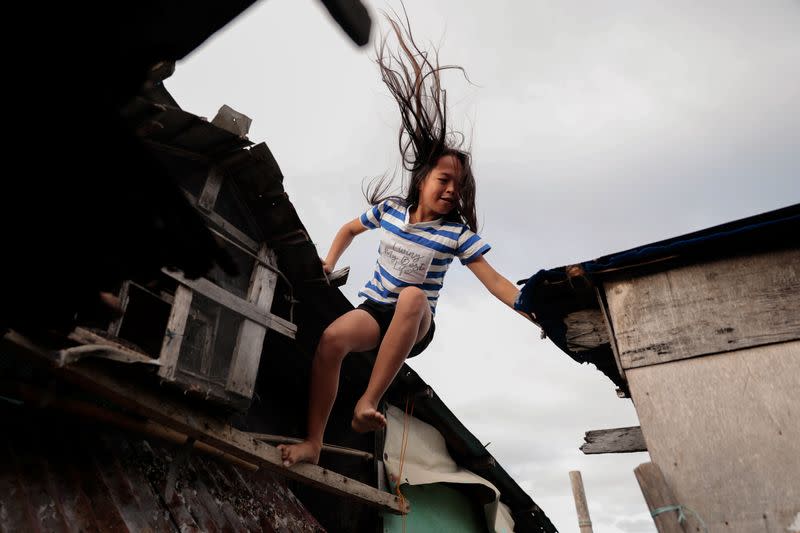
<point>702,333</point>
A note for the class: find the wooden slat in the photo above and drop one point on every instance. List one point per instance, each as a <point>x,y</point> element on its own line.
<point>658,495</point>
<point>250,339</point>
<point>212,431</point>
<point>719,306</point>
<point>227,227</point>
<point>84,336</point>
<point>612,339</point>
<point>585,330</point>
<point>616,440</point>
<point>116,324</point>
<point>236,304</point>
<point>208,197</point>
<point>725,431</point>
<point>173,337</point>
<point>331,448</point>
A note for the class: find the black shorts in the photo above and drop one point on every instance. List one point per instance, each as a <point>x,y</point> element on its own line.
<point>383,313</point>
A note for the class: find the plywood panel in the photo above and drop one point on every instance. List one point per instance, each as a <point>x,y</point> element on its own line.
<point>707,308</point>
<point>725,431</point>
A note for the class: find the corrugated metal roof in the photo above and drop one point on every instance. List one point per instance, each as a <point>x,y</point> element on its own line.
<point>63,474</point>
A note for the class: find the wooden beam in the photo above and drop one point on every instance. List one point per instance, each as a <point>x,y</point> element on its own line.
<point>86,337</point>
<point>331,448</point>
<point>584,522</point>
<point>210,430</point>
<point>227,227</point>
<point>208,197</point>
<point>707,308</point>
<point>116,324</point>
<point>617,440</point>
<point>173,336</point>
<point>612,339</point>
<point>236,304</point>
<point>658,496</point>
<point>250,338</point>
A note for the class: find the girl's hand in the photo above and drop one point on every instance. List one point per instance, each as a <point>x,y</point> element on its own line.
<point>325,267</point>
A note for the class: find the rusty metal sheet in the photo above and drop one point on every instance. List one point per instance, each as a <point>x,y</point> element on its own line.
<point>64,474</point>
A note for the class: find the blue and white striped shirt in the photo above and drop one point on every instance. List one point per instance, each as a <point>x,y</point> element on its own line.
<point>415,255</point>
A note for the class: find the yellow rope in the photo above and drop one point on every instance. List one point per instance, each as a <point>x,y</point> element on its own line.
<point>404,444</point>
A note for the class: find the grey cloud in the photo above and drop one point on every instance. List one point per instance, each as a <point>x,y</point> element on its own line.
<point>597,127</point>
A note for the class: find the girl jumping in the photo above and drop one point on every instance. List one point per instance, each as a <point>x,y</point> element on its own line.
<point>421,233</point>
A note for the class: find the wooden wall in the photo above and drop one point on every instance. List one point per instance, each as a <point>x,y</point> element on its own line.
<point>712,307</point>
<point>725,431</point>
<point>711,354</point>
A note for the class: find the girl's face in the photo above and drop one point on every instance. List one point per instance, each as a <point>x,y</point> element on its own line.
<point>438,192</point>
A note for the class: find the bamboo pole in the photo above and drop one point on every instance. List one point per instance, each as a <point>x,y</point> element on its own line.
<point>658,496</point>
<point>584,522</point>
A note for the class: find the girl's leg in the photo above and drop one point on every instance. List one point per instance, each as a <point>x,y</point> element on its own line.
<point>355,331</point>
<point>410,323</point>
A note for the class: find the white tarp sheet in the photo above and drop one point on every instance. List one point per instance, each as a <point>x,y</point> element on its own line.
<point>427,461</point>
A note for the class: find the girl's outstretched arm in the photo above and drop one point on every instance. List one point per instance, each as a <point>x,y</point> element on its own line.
<point>340,243</point>
<point>499,286</point>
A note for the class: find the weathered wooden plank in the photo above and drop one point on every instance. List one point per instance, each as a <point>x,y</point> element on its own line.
<point>173,337</point>
<point>250,339</point>
<point>116,324</point>
<point>231,120</point>
<point>616,440</point>
<point>725,431</point>
<point>332,448</point>
<point>210,430</point>
<point>226,227</point>
<point>659,498</point>
<point>236,304</point>
<point>612,339</point>
<point>208,197</point>
<point>579,495</point>
<point>585,330</point>
<point>718,306</point>
<point>116,351</point>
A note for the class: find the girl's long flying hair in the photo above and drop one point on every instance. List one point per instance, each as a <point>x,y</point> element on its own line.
<point>413,78</point>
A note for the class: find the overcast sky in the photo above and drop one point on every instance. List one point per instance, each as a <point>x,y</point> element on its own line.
<point>595,127</point>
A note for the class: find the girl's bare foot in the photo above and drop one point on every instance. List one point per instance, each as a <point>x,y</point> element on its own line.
<point>305,452</point>
<point>367,418</point>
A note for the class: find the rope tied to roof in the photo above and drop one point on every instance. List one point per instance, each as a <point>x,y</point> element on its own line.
<point>404,444</point>
<point>681,515</point>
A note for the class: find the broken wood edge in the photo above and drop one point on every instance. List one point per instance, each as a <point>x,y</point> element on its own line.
<point>210,430</point>
<point>337,278</point>
<point>614,440</point>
